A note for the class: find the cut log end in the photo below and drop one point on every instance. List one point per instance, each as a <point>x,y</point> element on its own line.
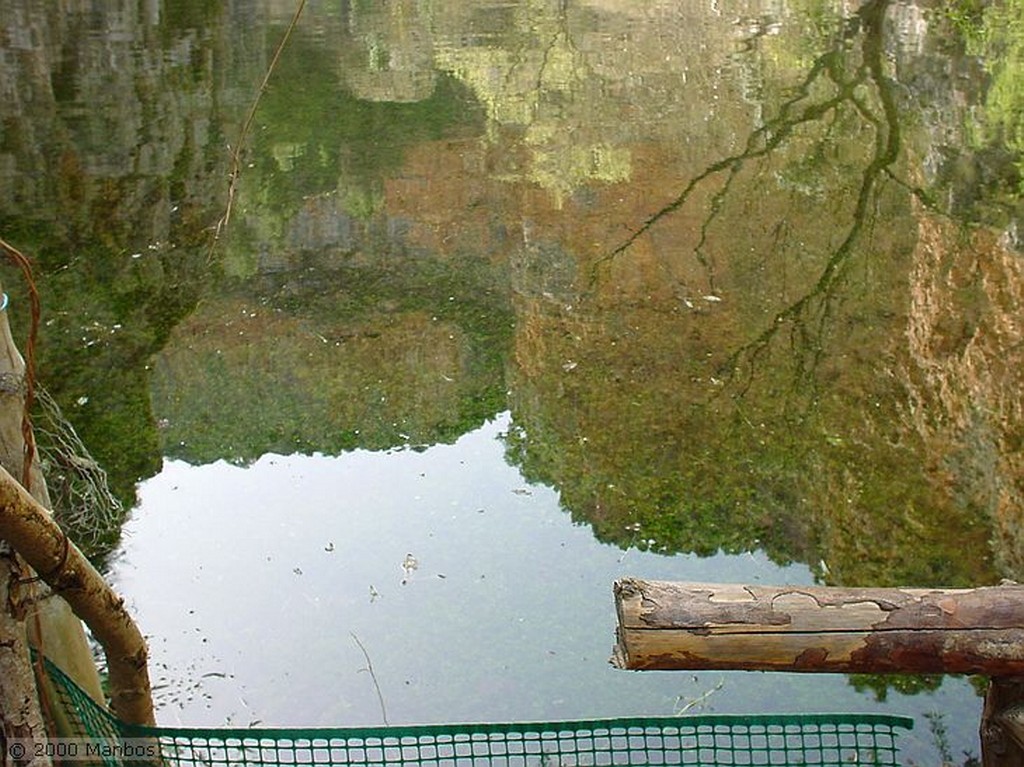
<point>619,659</point>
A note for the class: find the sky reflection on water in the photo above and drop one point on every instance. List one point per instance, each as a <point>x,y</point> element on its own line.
<point>255,583</point>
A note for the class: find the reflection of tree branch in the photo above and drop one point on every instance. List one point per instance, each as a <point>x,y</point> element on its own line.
<point>561,33</point>
<point>769,137</point>
<point>235,172</point>
<point>887,145</point>
<point>761,142</point>
<point>923,196</point>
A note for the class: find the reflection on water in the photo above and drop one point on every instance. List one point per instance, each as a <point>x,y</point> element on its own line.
<point>747,281</point>
<point>473,594</point>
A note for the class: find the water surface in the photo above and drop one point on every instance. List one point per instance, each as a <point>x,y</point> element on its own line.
<point>540,294</point>
<point>472,595</point>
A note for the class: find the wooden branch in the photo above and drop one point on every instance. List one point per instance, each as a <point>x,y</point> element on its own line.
<point>31,531</point>
<point>811,628</point>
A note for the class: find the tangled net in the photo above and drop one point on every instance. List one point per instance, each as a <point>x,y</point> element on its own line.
<point>80,497</point>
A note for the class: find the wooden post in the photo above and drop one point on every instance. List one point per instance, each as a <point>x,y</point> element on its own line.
<point>694,626</point>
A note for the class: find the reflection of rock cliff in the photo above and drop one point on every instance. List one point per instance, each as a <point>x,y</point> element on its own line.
<point>963,373</point>
<point>392,59</point>
<point>715,387</point>
<point>112,165</point>
<point>382,316</point>
<point>680,364</point>
<point>704,225</point>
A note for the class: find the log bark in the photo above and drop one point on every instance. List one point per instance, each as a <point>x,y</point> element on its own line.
<point>665,625</point>
<point>20,716</point>
<point>1002,724</point>
<point>40,542</point>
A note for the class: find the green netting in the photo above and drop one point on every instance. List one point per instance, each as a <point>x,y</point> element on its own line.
<point>821,740</point>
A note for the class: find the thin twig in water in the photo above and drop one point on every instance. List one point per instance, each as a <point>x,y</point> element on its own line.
<point>373,676</point>
<point>236,155</point>
<point>698,700</point>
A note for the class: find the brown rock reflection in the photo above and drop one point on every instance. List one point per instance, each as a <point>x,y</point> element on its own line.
<point>699,256</point>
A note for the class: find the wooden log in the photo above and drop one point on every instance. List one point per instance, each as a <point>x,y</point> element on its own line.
<point>31,531</point>
<point>665,625</point>
<point>1002,723</point>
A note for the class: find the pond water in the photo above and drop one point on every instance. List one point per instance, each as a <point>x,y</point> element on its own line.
<point>493,303</point>
<point>472,594</point>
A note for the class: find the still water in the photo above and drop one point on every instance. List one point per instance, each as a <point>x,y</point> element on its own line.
<point>472,594</point>
<point>512,299</point>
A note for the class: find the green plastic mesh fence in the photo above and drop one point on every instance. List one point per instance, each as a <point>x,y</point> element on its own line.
<point>822,740</point>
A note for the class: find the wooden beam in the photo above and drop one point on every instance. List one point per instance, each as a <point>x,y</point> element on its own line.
<point>665,625</point>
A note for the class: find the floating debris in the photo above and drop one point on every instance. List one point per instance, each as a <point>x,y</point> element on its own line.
<point>409,564</point>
